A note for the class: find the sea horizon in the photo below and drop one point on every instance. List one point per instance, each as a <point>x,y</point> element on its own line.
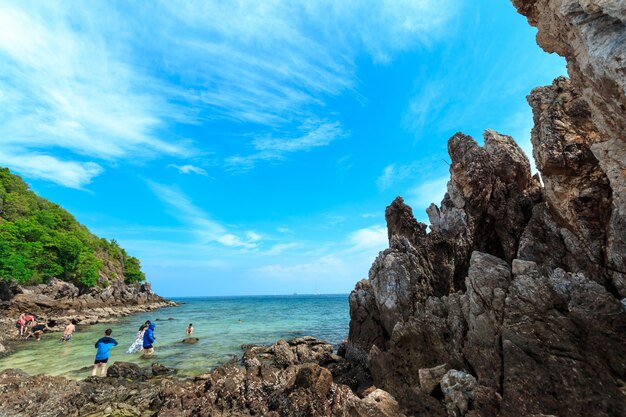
<point>173,298</point>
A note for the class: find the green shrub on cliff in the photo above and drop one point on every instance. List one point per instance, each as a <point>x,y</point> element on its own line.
<point>40,240</point>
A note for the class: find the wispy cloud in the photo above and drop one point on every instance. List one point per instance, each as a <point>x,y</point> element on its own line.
<point>188,169</point>
<point>270,148</point>
<point>102,81</point>
<point>63,87</point>
<point>396,172</point>
<point>342,261</point>
<point>200,224</point>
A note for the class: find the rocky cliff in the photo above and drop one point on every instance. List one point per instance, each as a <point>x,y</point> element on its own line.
<point>517,287</point>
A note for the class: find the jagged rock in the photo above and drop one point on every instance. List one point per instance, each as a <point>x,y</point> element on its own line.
<point>429,378</point>
<point>47,396</point>
<point>578,196</point>
<point>562,336</point>
<point>458,390</point>
<point>487,286</point>
<point>590,35</point>
<point>379,403</point>
<point>283,353</point>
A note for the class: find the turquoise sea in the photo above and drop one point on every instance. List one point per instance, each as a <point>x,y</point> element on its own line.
<point>216,321</point>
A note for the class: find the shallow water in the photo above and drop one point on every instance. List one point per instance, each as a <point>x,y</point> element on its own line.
<point>216,323</point>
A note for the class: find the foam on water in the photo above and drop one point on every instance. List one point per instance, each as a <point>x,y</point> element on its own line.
<point>216,323</point>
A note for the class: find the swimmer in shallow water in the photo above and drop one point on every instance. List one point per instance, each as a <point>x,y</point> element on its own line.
<point>69,331</point>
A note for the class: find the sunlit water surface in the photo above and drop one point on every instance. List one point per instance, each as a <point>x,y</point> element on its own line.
<point>216,322</point>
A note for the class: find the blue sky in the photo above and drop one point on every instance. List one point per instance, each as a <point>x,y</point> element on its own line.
<point>251,147</point>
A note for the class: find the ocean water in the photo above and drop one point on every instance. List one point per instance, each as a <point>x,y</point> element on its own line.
<point>216,323</point>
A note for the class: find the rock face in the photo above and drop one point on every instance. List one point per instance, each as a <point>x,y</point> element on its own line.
<point>587,121</point>
<point>517,287</point>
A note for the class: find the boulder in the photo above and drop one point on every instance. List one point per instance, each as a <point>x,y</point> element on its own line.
<point>126,370</point>
<point>158,369</point>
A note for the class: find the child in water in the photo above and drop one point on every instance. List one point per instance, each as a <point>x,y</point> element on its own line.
<point>104,345</point>
<point>189,329</point>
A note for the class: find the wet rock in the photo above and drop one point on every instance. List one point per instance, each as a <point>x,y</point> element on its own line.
<point>127,370</point>
<point>159,370</point>
<point>190,340</point>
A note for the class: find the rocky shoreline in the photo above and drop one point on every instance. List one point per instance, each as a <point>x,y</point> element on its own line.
<point>299,377</point>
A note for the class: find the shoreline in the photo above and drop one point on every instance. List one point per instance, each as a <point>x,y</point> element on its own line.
<point>10,342</point>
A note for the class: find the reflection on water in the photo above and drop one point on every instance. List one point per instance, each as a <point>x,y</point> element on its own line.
<point>216,322</point>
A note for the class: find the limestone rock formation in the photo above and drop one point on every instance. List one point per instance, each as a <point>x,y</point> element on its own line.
<point>587,121</point>
<point>511,304</point>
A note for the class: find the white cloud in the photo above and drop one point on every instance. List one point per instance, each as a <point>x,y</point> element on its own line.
<point>280,248</point>
<point>320,267</point>
<point>340,260</point>
<point>67,173</point>
<point>188,169</point>
<point>432,191</point>
<point>95,80</point>
<point>64,88</point>
<point>236,241</point>
<point>370,239</point>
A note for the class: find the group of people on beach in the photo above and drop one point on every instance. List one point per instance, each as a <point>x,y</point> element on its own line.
<point>28,325</point>
<point>144,340</point>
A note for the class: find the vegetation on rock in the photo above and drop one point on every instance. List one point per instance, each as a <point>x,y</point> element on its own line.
<point>39,240</point>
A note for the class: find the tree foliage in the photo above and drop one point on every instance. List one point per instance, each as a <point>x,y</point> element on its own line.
<point>40,240</point>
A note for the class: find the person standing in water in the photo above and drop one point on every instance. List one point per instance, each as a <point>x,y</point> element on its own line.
<point>69,331</point>
<point>104,345</point>
<point>138,343</point>
<point>189,329</point>
<point>148,340</point>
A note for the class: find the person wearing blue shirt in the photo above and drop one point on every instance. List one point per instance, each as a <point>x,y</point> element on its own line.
<point>104,345</point>
<point>148,340</point>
